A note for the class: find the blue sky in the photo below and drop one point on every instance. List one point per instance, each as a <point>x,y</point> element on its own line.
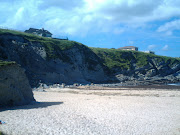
<point>150,25</point>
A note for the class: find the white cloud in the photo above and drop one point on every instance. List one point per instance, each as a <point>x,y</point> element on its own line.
<point>151,47</point>
<point>129,11</point>
<point>22,14</point>
<point>169,27</point>
<point>88,16</point>
<point>165,48</point>
<point>64,4</point>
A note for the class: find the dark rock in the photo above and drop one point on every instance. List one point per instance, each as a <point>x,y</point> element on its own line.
<point>79,64</point>
<point>82,65</point>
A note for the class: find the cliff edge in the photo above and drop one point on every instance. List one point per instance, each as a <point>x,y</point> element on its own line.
<point>51,61</point>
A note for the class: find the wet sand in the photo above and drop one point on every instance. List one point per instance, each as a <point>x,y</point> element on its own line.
<point>125,111</point>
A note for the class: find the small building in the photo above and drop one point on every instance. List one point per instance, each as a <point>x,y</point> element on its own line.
<point>129,48</point>
<point>40,32</point>
<point>149,52</point>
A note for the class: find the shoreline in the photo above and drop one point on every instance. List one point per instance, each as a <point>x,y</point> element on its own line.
<point>154,87</point>
<point>107,86</point>
<point>140,87</point>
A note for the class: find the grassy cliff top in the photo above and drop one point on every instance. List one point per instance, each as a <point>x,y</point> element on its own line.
<point>48,42</point>
<point>6,63</point>
<point>52,46</point>
<point>113,58</point>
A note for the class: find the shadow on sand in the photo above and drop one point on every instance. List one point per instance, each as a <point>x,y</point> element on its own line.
<point>33,105</point>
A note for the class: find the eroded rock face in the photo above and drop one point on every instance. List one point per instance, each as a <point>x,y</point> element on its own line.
<point>81,65</point>
<point>14,86</point>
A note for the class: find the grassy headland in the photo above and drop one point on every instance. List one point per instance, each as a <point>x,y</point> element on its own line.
<point>111,58</point>
<point>52,46</point>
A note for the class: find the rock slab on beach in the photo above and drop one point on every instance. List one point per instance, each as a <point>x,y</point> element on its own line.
<point>14,86</point>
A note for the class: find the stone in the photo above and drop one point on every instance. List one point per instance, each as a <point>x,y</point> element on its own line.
<point>14,86</point>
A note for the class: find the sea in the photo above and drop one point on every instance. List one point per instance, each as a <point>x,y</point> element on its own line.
<point>175,84</point>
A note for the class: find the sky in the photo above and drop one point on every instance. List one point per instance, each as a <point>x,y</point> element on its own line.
<point>147,24</point>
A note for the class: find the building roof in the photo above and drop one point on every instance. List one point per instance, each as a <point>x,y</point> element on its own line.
<point>32,30</point>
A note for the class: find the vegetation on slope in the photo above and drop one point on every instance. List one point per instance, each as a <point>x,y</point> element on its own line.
<point>6,63</point>
<point>113,58</point>
<point>54,47</point>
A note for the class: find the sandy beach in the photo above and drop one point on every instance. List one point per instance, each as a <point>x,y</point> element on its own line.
<point>96,112</point>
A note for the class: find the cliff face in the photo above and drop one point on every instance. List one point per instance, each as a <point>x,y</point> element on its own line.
<point>136,66</point>
<point>56,61</point>
<point>52,65</point>
<point>14,86</point>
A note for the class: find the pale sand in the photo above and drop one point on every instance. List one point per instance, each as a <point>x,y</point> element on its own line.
<point>96,112</point>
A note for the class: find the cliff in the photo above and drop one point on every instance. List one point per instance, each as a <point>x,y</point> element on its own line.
<point>52,61</point>
<point>134,66</point>
<point>14,85</point>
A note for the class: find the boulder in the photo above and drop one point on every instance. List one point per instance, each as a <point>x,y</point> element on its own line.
<point>14,86</point>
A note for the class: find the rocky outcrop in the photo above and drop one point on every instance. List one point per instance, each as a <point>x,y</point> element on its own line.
<point>76,64</point>
<point>153,73</point>
<point>49,61</point>
<point>14,86</point>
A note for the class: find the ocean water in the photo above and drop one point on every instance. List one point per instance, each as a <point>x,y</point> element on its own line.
<point>174,84</point>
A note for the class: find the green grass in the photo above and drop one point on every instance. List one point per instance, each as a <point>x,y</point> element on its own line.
<point>111,58</point>
<point>6,63</point>
<point>54,47</point>
<point>114,58</point>
<point>48,42</point>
